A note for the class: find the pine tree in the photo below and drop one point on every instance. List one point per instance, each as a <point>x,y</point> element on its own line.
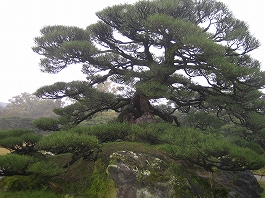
<point>193,53</point>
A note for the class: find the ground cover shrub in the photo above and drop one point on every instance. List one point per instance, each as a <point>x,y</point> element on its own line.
<point>210,151</point>
<point>45,169</point>
<point>14,164</point>
<point>29,194</point>
<point>21,183</point>
<point>67,142</point>
<point>20,141</point>
<point>46,124</point>
<point>101,185</point>
<point>79,145</point>
<point>106,132</point>
<point>205,148</point>
<point>150,133</point>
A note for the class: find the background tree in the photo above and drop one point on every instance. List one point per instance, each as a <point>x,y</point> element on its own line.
<point>15,122</point>
<point>193,53</point>
<point>30,106</point>
<point>23,109</point>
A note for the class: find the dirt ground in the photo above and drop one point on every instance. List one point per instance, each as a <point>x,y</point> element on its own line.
<point>3,151</point>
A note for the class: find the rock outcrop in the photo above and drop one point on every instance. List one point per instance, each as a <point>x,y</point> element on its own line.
<point>239,184</point>
<point>144,175</point>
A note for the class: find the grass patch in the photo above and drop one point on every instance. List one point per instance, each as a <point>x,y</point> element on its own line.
<point>260,172</point>
<point>101,186</point>
<point>61,159</point>
<point>262,184</point>
<point>81,169</point>
<point>28,194</point>
<point>76,180</point>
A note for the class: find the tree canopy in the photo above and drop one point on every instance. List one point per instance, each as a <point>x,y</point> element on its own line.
<point>193,53</point>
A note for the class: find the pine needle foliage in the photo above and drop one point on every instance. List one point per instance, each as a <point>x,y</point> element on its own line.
<point>192,53</point>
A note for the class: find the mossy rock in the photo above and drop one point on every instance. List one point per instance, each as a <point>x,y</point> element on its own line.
<point>139,170</point>
<point>141,175</point>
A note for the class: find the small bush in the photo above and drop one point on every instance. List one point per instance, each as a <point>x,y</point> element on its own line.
<point>45,169</point>
<point>14,164</point>
<point>21,183</point>
<point>20,141</point>
<point>210,150</point>
<point>106,132</point>
<point>46,124</point>
<point>64,142</point>
<point>80,145</point>
<point>151,133</point>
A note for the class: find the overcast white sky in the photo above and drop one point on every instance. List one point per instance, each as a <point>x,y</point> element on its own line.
<point>22,20</point>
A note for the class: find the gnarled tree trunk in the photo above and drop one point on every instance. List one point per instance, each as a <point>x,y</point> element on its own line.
<point>139,111</point>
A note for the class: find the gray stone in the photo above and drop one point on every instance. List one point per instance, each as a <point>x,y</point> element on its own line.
<point>133,174</point>
<point>145,175</point>
<point>240,184</point>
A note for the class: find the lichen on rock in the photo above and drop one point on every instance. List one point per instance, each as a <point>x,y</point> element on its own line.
<point>140,175</point>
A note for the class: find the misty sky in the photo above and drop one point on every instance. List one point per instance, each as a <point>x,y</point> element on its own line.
<point>22,20</point>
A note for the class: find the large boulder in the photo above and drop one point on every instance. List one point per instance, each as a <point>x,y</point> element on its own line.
<point>146,175</point>
<point>239,184</point>
<point>141,175</point>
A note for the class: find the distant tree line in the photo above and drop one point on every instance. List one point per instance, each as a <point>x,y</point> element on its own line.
<point>23,109</point>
